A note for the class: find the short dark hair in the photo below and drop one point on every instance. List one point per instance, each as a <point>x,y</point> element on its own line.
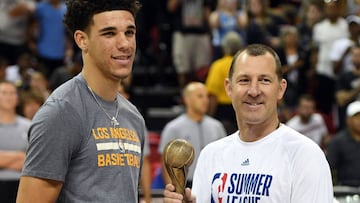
<point>258,50</point>
<point>80,12</point>
<point>307,97</point>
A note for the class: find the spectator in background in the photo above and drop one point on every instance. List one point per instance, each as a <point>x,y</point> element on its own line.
<point>325,33</point>
<point>51,45</point>
<point>194,125</point>
<point>343,151</point>
<point>13,142</point>
<point>340,54</point>
<point>293,59</point>
<point>353,7</point>
<point>262,26</point>
<point>308,122</point>
<point>348,87</point>
<point>14,26</point>
<point>224,19</point>
<point>312,13</point>
<point>20,73</point>
<point>30,103</point>
<point>39,85</point>
<point>191,44</point>
<point>220,106</point>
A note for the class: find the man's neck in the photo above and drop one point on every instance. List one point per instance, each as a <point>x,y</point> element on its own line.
<point>252,133</point>
<point>194,116</point>
<point>105,89</point>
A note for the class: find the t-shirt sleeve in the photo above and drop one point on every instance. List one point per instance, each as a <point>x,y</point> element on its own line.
<point>53,138</point>
<point>312,177</point>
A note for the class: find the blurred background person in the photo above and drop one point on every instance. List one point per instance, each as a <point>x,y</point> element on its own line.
<point>311,12</point>
<point>191,45</point>
<point>194,126</point>
<point>20,72</point>
<point>14,28</point>
<point>13,142</point>
<point>340,54</point>
<point>39,85</point>
<point>308,122</point>
<point>226,18</point>
<point>220,106</point>
<point>261,25</point>
<point>293,59</point>
<point>348,87</point>
<point>50,42</point>
<point>30,103</point>
<point>343,151</point>
<point>325,33</point>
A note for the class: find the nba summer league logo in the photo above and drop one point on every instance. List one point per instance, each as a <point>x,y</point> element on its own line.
<point>240,188</point>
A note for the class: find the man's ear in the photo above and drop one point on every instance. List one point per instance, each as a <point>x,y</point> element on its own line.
<point>282,88</point>
<point>81,39</point>
<point>227,84</point>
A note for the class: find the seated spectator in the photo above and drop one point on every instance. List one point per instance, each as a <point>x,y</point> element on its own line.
<point>343,151</point>
<point>308,122</point>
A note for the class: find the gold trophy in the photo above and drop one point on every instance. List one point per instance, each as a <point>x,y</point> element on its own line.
<point>178,156</point>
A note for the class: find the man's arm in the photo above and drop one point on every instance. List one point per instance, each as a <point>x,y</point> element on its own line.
<point>12,160</point>
<point>146,179</point>
<point>38,190</point>
<point>344,97</point>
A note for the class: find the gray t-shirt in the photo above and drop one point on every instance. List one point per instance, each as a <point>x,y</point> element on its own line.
<point>199,134</point>
<point>13,138</point>
<point>73,141</point>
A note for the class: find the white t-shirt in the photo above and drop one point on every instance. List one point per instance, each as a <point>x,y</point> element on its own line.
<point>337,51</point>
<point>315,129</point>
<point>325,34</point>
<point>284,166</point>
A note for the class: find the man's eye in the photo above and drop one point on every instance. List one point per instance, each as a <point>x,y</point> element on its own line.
<point>130,33</point>
<point>109,34</point>
<point>266,81</point>
<point>243,81</point>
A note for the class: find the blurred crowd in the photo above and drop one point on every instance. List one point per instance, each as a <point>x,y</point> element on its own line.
<point>317,42</point>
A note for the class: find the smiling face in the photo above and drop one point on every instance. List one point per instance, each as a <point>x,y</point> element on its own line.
<point>255,89</point>
<point>109,44</point>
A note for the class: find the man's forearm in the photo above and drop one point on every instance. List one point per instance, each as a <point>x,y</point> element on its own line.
<point>13,160</point>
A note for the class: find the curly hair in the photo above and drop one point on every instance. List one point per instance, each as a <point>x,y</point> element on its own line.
<point>80,12</point>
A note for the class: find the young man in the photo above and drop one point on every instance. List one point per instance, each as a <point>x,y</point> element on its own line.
<point>86,142</point>
<point>264,161</point>
<point>308,122</point>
